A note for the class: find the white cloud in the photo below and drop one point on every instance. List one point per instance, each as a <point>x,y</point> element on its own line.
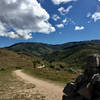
<point>64,11</point>
<point>55,17</point>
<point>77,28</point>
<point>24,16</point>
<point>62,24</point>
<point>14,35</point>
<point>99,0</point>
<point>64,21</point>
<point>96,16</point>
<point>59,25</point>
<point>57,2</point>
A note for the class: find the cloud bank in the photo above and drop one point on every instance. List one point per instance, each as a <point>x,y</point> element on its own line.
<point>24,17</point>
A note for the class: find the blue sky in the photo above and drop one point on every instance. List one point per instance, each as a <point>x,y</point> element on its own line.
<point>49,21</point>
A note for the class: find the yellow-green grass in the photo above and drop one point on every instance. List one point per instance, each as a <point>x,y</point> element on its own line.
<point>53,75</point>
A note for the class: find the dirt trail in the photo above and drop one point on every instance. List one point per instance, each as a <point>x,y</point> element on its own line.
<point>50,90</point>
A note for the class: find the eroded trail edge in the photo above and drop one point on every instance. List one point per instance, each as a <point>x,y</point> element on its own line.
<point>50,90</point>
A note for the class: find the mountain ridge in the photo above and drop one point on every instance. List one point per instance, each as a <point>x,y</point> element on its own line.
<point>72,54</point>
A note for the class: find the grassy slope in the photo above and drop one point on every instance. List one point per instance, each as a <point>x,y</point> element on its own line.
<point>53,75</point>
<point>75,56</point>
<point>32,49</point>
<point>71,54</point>
<point>62,61</point>
<point>12,59</point>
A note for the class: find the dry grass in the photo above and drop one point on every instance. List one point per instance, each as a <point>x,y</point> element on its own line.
<point>53,75</point>
<point>12,59</point>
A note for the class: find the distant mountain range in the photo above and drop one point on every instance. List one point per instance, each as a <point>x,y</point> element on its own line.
<point>40,49</point>
<point>73,54</point>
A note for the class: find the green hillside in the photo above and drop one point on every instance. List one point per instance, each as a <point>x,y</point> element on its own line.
<point>71,54</point>
<point>32,49</point>
<point>62,62</point>
<point>75,55</point>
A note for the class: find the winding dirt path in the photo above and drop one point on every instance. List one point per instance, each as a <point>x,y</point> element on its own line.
<point>50,90</point>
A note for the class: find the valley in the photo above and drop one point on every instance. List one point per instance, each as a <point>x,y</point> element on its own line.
<point>41,63</point>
